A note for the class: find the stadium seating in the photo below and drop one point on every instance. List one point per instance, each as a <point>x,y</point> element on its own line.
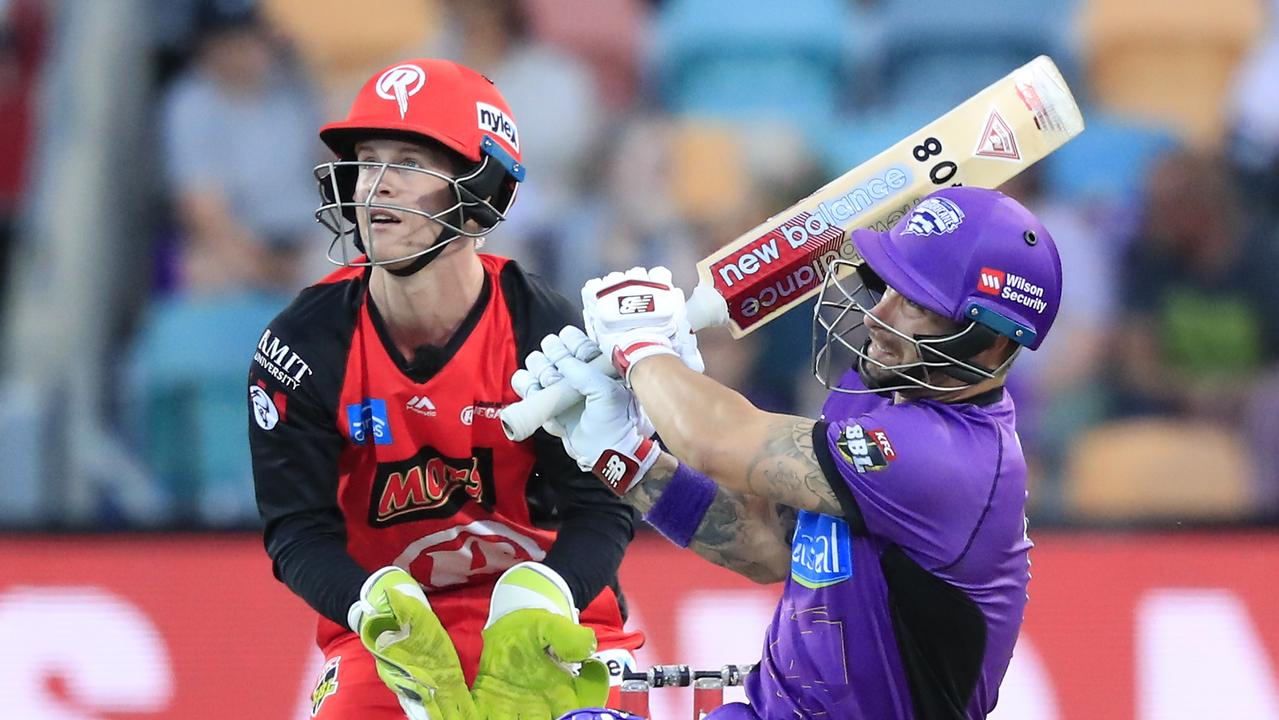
<point>343,41</point>
<point>1158,469</point>
<point>753,58</point>
<point>1108,161</point>
<point>939,52</point>
<point>1168,62</point>
<point>188,401</point>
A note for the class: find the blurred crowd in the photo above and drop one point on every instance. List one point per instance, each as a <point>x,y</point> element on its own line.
<point>655,131</point>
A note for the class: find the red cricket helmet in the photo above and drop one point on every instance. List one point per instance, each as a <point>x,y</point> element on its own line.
<point>436,100</point>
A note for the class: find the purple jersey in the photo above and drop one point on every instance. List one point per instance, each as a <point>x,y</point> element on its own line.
<point>909,606</point>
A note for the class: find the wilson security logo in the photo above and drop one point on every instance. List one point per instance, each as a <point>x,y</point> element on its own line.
<point>1014,288</point>
<point>821,553</point>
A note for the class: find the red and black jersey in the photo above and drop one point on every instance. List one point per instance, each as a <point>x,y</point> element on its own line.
<point>363,458</point>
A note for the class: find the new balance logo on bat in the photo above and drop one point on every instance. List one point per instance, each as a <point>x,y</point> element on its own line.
<point>634,304</point>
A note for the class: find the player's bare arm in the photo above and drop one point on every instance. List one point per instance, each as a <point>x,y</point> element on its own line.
<point>742,448</point>
<point>746,534</point>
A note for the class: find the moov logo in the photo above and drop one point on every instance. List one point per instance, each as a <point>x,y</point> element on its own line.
<point>369,419</point>
<point>821,554</point>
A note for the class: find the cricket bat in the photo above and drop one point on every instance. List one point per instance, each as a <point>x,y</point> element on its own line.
<point>782,262</point>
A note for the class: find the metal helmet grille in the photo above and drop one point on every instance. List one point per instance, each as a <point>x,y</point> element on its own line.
<point>338,207</point>
<point>840,339</point>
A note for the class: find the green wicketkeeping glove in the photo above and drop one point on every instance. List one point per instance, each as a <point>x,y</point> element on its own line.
<point>414,655</point>
<point>536,663</point>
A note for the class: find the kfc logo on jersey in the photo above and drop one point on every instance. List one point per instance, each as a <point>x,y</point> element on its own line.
<point>492,119</point>
<point>635,304</point>
<point>934,216</point>
<point>430,485</point>
<point>867,452</point>
<point>880,438</point>
<point>399,84</point>
<point>990,281</point>
<point>369,419</point>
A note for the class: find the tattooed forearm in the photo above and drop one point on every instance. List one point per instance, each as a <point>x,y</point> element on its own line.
<point>748,535</point>
<point>785,469</point>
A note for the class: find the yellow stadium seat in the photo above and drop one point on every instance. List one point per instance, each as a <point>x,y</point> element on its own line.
<point>1159,469</point>
<point>709,176</point>
<point>1168,61</point>
<point>342,42</point>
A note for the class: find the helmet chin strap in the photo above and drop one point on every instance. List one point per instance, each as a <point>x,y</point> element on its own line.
<point>446,236</point>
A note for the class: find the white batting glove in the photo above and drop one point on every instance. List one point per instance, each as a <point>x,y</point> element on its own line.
<point>638,314</point>
<point>609,435</point>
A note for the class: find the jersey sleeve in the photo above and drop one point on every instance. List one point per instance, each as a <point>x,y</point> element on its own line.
<point>912,477</point>
<point>594,525</point>
<point>294,380</point>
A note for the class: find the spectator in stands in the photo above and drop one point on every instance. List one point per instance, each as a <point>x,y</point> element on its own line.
<point>21,40</point>
<point>239,149</point>
<point>1198,294</point>
<point>1058,394</point>
<point>555,100</point>
<point>1254,118</point>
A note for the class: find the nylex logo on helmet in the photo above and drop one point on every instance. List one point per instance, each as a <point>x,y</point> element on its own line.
<point>495,121</point>
<point>1016,288</point>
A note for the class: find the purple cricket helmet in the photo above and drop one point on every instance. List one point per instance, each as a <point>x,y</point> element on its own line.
<point>599,713</point>
<point>972,254</point>
<point>975,256</point>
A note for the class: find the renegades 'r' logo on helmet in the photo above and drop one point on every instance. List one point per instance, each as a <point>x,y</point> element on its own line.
<point>399,84</point>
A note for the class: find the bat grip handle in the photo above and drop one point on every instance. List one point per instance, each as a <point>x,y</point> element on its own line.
<point>521,419</point>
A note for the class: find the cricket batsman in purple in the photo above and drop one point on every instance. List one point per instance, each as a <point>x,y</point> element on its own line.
<point>897,518</point>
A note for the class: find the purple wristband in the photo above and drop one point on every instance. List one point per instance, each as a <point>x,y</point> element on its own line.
<point>682,505</point>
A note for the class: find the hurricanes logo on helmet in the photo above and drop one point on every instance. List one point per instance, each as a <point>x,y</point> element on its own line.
<point>934,216</point>
<point>399,84</point>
